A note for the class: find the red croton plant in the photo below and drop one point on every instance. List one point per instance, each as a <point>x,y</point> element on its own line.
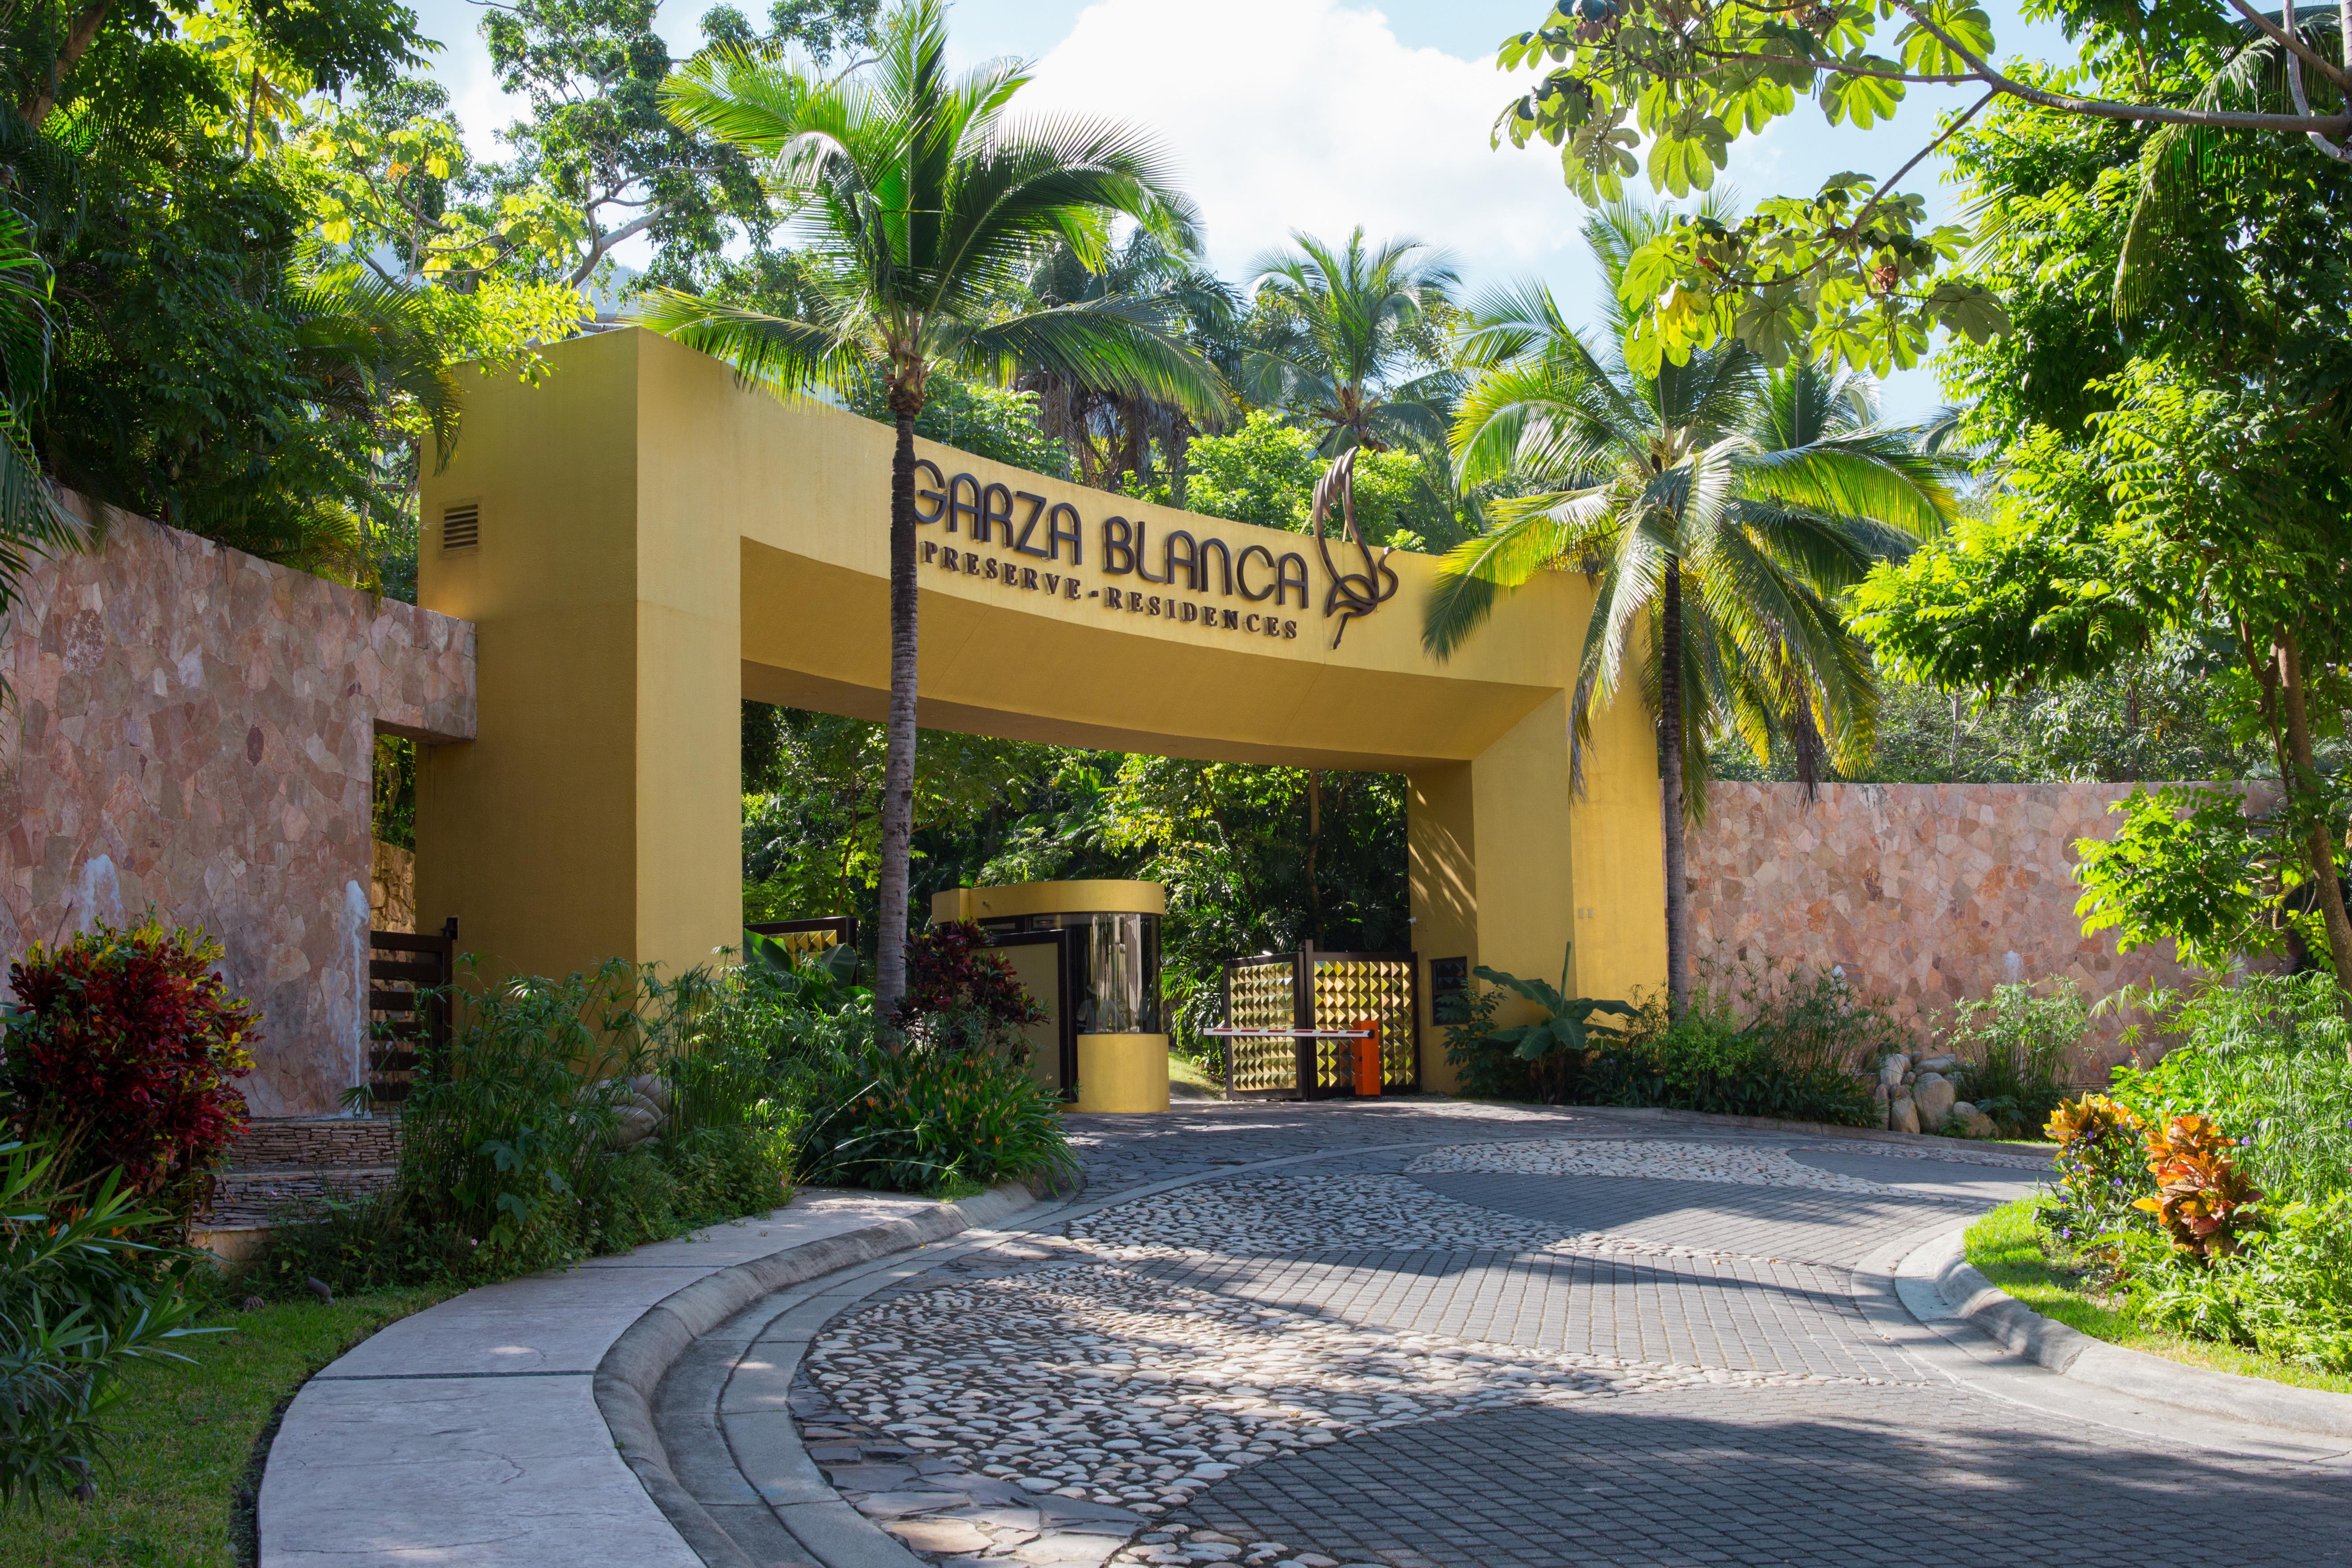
<point>963,989</point>
<point>123,1049</point>
<point>2203,1200</point>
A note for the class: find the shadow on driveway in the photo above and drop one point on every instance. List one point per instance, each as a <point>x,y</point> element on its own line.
<point>1815,1477</point>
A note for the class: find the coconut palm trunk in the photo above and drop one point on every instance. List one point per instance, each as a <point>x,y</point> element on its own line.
<point>1719,509</point>
<point>919,202</point>
<point>898,747</point>
<point>1670,787</point>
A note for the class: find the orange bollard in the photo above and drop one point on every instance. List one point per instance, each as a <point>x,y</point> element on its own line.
<point>1368,1057</point>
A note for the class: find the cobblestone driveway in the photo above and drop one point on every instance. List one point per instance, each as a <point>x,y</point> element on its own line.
<point>1439,1333</point>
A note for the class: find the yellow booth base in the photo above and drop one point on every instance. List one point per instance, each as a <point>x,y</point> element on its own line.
<point>1122,1072</point>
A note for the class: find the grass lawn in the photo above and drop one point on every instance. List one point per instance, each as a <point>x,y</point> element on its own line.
<point>1184,1071</point>
<point>2006,1248</point>
<point>185,1441</point>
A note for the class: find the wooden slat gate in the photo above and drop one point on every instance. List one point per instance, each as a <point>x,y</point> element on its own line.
<point>409,975</point>
<point>1314,989</point>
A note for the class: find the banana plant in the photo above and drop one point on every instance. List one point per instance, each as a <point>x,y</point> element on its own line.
<point>1567,1023</point>
<point>818,981</point>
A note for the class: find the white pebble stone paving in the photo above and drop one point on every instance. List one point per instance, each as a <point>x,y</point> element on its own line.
<point>1287,1215</point>
<point>1742,1165</point>
<point>1104,1381</point>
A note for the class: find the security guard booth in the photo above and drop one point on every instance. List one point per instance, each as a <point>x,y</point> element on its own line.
<point>1089,954</point>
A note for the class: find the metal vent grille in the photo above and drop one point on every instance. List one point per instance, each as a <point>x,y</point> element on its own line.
<point>461,526</point>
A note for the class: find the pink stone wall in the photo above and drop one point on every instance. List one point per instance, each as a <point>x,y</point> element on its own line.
<point>193,729</point>
<point>1924,893</point>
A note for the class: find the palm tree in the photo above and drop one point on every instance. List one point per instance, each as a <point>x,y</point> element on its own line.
<point>922,206</point>
<point>33,518</point>
<point>1354,307</point>
<point>1719,509</point>
<point>1109,431</point>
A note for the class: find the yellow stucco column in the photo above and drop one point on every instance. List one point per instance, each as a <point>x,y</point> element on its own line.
<point>596,815</point>
<point>1509,864</point>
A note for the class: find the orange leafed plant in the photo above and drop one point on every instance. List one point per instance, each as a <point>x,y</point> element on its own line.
<point>2089,1120</point>
<point>2203,1200</point>
<point>2184,1137</point>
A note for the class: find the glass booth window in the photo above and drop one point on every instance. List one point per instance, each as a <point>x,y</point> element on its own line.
<point>1122,992</point>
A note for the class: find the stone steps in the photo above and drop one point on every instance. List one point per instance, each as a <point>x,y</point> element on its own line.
<point>284,1165</point>
<point>243,1199</point>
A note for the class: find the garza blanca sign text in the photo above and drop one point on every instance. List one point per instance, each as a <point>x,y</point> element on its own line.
<point>1029,525</point>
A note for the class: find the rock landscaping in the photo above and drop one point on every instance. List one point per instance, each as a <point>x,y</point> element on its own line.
<point>1919,1097</point>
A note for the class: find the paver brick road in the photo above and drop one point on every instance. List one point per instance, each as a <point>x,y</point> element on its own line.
<point>1437,1333</point>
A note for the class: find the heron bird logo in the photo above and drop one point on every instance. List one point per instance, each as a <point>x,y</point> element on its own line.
<point>1351,593</point>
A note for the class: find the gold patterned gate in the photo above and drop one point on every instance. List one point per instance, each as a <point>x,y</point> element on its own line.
<point>1313,990</point>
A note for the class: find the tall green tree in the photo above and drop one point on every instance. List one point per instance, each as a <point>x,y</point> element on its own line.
<point>1353,370</point>
<point>2177,441</point>
<point>1719,509</point>
<point>1854,270</point>
<point>206,370</point>
<point>923,205</point>
<point>32,521</point>
<point>592,72</point>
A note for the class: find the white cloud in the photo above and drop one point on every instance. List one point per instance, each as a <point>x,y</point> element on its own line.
<point>1310,114</point>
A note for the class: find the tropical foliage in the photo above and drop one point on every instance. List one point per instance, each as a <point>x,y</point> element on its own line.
<point>1853,271</point>
<point>81,1297</point>
<point>2211,1195</point>
<point>2172,474</point>
<point>1757,1043</point>
<point>919,201</point>
<point>120,1054</point>
<point>2019,1049</point>
<point>1549,1051</point>
<point>1721,512</point>
<point>1255,859</point>
<point>33,518</point>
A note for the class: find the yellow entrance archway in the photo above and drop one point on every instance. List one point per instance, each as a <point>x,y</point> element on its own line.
<point>643,542</point>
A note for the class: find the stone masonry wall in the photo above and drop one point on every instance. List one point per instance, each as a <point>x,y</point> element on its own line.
<point>1924,893</point>
<point>193,729</point>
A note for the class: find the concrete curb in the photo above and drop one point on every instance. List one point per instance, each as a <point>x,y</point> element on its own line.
<point>2072,1353</point>
<point>631,1372</point>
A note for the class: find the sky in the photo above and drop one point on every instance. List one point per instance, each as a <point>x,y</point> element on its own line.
<point>1323,114</point>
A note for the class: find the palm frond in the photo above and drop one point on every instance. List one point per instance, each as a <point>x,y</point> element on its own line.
<point>788,355</point>
<point>1104,346</point>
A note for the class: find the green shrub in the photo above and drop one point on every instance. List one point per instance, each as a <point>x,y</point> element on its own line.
<point>352,1242</point>
<point>2102,1172</point>
<point>2263,1055</point>
<point>1483,1067</point>
<point>2286,1293</point>
<point>1757,1045</point>
<point>2017,1052</point>
<point>80,1299</point>
<point>928,1118</point>
<point>1763,1044</point>
<point>566,1119</point>
<point>2238,1225</point>
<point>122,1052</point>
<point>1553,1049</point>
